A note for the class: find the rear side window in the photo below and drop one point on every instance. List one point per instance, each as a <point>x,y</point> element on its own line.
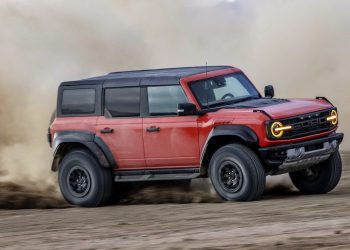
<point>78,101</point>
<point>163,100</point>
<point>122,102</point>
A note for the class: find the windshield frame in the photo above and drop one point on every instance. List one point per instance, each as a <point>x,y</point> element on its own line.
<point>222,103</point>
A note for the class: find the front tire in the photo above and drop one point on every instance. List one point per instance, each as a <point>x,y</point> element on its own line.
<point>321,178</point>
<point>237,173</point>
<point>83,181</point>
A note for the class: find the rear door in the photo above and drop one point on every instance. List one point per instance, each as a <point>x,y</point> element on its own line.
<point>121,126</point>
<point>170,141</point>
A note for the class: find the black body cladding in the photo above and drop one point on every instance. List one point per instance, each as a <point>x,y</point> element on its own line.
<point>85,139</point>
<point>226,134</point>
<point>245,133</point>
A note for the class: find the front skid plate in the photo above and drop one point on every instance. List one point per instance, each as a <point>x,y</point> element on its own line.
<point>298,158</point>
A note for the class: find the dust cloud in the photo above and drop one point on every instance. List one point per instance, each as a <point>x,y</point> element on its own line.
<point>179,192</point>
<point>302,47</point>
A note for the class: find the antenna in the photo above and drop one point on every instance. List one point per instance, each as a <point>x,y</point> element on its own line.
<point>206,83</point>
<point>206,69</point>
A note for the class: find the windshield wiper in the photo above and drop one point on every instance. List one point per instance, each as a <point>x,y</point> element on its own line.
<point>218,103</point>
<point>245,99</point>
<point>232,101</point>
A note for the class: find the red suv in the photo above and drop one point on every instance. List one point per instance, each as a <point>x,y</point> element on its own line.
<point>185,123</point>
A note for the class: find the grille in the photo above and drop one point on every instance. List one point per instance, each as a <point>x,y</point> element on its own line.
<point>307,124</point>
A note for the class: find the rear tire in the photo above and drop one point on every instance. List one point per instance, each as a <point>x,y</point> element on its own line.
<point>321,178</point>
<point>83,181</point>
<point>237,173</point>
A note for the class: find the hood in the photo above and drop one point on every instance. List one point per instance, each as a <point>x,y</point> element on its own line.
<point>283,108</point>
<point>295,107</point>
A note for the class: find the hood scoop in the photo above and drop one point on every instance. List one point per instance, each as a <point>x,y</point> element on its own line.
<point>259,103</point>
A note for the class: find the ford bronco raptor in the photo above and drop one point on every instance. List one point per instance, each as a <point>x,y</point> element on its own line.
<point>185,123</point>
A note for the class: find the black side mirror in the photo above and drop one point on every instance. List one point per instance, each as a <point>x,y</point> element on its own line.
<point>186,109</point>
<point>269,91</point>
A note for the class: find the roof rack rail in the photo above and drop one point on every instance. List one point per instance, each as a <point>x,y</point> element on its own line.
<point>164,69</point>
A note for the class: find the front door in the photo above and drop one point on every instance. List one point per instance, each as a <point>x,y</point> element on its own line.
<point>170,141</point>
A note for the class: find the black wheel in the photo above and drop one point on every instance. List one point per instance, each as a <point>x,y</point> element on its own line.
<point>237,173</point>
<point>321,178</point>
<point>83,181</point>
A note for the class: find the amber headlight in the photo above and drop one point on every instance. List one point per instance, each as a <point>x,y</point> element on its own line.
<point>333,118</point>
<point>277,129</point>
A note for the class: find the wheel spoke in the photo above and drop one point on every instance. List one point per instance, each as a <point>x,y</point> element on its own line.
<point>231,176</point>
<point>79,181</point>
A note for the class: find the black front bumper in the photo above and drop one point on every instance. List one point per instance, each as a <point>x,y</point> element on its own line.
<point>297,156</point>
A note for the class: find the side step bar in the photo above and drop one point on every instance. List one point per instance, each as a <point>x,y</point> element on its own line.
<point>156,175</point>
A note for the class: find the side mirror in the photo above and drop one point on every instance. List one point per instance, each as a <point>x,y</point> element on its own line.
<point>186,109</point>
<point>269,91</point>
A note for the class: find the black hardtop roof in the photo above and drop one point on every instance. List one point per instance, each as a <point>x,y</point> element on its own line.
<point>165,74</point>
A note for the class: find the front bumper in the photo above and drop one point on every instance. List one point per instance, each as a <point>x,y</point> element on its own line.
<point>298,156</point>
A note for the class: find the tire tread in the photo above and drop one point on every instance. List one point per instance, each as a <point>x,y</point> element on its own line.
<point>104,177</point>
<point>253,165</point>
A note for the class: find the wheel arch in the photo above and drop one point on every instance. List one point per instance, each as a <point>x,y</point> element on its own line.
<point>225,134</point>
<point>65,142</point>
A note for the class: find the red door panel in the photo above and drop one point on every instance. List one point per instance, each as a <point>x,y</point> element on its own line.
<point>171,141</point>
<point>125,142</point>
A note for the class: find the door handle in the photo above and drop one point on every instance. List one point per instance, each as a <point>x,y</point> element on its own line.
<point>106,130</point>
<point>153,129</point>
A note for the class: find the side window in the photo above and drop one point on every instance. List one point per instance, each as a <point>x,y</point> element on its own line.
<point>123,102</point>
<point>78,101</point>
<point>163,100</point>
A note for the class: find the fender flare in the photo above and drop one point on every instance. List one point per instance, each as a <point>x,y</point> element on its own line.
<point>87,139</point>
<point>242,132</point>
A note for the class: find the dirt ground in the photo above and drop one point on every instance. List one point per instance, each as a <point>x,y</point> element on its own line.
<point>187,220</point>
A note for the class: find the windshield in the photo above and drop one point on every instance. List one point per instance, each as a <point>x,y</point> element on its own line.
<point>223,90</point>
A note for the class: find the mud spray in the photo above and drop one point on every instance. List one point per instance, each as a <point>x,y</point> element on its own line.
<point>300,46</point>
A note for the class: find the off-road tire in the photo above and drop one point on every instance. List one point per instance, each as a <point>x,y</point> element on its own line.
<point>323,178</point>
<point>99,188</point>
<point>245,163</point>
